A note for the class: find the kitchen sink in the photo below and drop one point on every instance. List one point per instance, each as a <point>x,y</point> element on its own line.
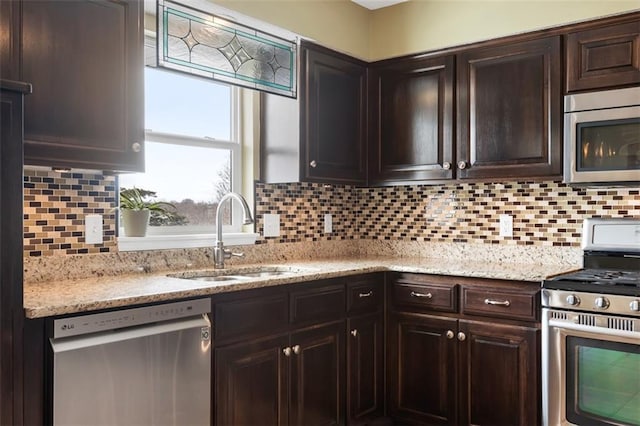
<point>237,274</point>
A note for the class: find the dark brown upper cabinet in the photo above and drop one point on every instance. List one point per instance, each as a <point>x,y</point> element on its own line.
<point>11,311</point>
<point>509,110</point>
<point>85,62</point>
<point>602,58</point>
<point>321,136</point>
<point>411,120</point>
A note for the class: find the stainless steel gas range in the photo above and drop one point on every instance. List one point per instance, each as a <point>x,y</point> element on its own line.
<point>591,331</point>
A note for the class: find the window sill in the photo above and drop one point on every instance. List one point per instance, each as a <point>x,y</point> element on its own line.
<point>162,242</point>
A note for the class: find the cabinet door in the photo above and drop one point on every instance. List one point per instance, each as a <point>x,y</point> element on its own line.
<point>11,312</point>
<point>85,62</point>
<point>317,376</point>
<point>333,119</point>
<point>509,110</point>
<point>605,57</point>
<point>251,385</point>
<point>411,120</point>
<point>10,40</point>
<point>421,369</point>
<point>499,374</point>
<point>365,367</point>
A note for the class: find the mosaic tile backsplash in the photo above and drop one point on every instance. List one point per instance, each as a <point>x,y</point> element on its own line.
<point>544,213</point>
<point>55,205</point>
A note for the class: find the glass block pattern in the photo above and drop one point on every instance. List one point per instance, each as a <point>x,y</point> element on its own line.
<point>204,44</point>
<point>55,205</point>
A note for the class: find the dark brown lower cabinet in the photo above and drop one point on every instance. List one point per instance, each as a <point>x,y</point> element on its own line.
<point>294,379</point>
<point>365,368</point>
<point>317,376</point>
<point>459,372</point>
<point>499,373</point>
<point>421,369</point>
<point>252,384</point>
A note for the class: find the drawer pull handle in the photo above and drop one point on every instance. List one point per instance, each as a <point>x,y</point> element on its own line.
<point>497,302</point>
<point>450,334</point>
<point>367,294</point>
<point>461,336</point>
<point>287,351</point>
<point>425,295</point>
<point>354,333</point>
<point>296,349</point>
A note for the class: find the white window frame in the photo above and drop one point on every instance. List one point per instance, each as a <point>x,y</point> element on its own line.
<point>233,234</point>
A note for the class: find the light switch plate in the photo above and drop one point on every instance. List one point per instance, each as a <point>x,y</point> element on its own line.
<point>93,229</point>
<point>271,225</point>
<point>328,223</point>
<point>506,225</point>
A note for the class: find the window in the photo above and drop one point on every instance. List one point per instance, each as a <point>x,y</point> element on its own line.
<point>192,157</point>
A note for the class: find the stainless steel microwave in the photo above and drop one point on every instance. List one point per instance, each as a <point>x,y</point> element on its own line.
<point>602,137</point>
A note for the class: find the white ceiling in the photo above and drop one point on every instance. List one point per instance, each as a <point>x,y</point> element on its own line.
<point>377,4</point>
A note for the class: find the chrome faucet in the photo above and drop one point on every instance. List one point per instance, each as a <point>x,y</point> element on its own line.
<point>219,252</point>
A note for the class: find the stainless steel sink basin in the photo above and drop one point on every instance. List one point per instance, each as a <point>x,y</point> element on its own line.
<point>237,274</point>
<point>262,274</point>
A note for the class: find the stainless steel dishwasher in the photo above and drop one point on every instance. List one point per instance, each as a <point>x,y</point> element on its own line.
<point>140,366</point>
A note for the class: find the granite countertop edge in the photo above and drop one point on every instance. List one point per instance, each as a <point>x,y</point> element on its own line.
<point>45,299</point>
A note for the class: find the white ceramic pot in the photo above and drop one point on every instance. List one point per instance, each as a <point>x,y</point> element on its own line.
<point>135,222</point>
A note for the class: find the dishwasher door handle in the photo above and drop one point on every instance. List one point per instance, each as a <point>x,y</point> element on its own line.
<point>84,341</point>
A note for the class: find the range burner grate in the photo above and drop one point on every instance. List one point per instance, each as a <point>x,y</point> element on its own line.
<point>604,277</point>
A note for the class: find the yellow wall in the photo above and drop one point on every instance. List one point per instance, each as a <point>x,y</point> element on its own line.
<point>339,24</point>
<point>419,25</point>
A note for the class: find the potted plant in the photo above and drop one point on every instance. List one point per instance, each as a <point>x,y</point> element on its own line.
<point>136,206</point>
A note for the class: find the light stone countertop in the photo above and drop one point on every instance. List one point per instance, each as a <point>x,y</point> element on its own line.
<point>52,298</point>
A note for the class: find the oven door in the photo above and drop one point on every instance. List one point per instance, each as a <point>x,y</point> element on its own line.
<point>602,145</point>
<point>590,369</point>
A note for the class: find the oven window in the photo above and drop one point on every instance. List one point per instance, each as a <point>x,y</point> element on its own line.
<point>608,145</point>
<point>603,382</point>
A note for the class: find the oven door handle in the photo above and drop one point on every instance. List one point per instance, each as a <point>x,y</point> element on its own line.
<point>594,329</point>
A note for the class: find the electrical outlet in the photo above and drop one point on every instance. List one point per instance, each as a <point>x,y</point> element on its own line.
<point>328,223</point>
<point>271,225</point>
<point>506,225</point>
<point>93,229</point>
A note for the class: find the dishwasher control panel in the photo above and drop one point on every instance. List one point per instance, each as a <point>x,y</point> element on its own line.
<point>122,318</point>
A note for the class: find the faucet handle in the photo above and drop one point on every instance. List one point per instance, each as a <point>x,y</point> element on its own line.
<point>228,253</point>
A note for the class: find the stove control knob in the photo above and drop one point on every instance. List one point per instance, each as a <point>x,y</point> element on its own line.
<point>635,306</point>
<point>602,303</point>
<point>573,300</point>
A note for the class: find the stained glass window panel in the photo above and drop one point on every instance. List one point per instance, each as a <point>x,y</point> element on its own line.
<point>204,44</point>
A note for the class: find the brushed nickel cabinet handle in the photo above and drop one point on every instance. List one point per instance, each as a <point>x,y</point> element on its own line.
<point>425,295</point>
<point>446,165</point>
<point>462,165</point>
<point>354,333</point>
<point>296,349</point>
<point>450,334</point>
<point>313,164</point>
<point>497,302</point>
<point>287,351</point>
<point>136,147</point>
<point>461,336</point>
<point>367,294</point>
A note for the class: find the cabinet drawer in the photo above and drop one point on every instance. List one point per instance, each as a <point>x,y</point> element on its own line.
<point>318,304</point>
<point>518,304</point>
<point>365,296</point>
<point>250,317</point>
<point>430,296</point>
